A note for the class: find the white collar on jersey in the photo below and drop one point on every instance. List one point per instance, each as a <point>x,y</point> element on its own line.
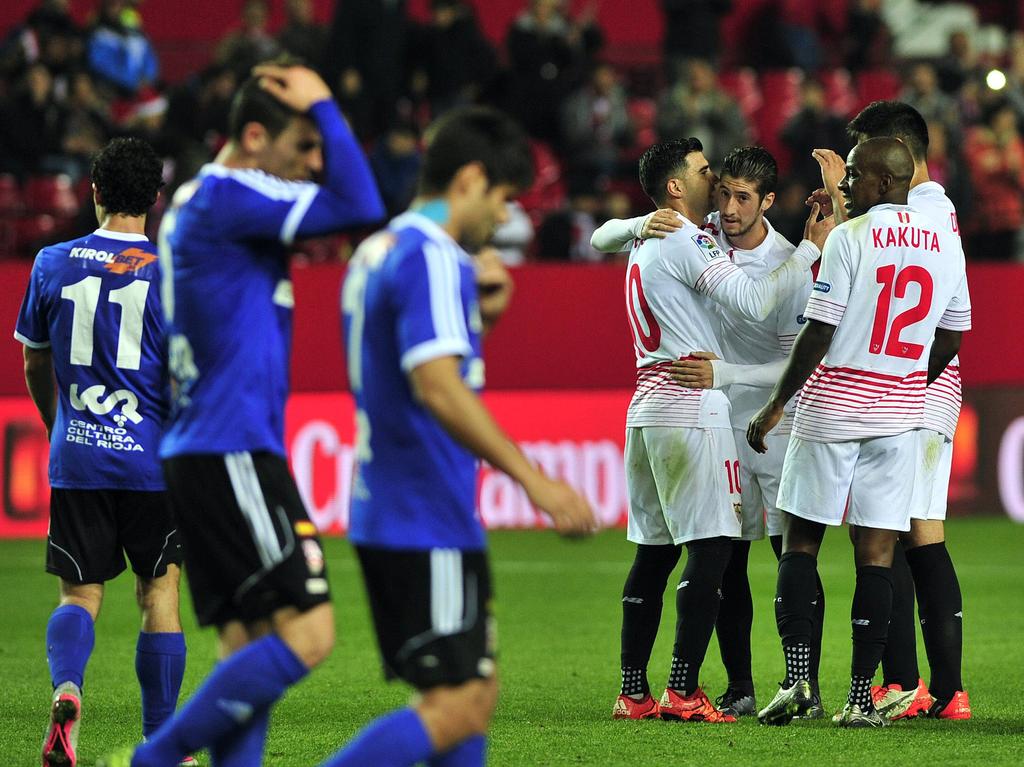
<point>924,188</point>
<point>126,236</point>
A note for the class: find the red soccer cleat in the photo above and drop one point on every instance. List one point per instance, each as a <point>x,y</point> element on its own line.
<point>695,707</point>
<point>921,704</point>
<point>630,708</point>
<point>958,707</point>
<point>62,738</point>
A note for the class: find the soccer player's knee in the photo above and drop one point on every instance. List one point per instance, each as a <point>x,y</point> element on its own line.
<point>655,562</point>
<point>479,699</point>
<point>452,714</point>
<point>923,532</point>
<point>310,635</point>
<point>707,558</point>
<point>158,593</point>
<point>874,548</point>
<point>88,596</point>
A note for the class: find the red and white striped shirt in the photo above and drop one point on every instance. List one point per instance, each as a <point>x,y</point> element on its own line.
<point>888,279</point>
<point>672,285</point>
<point>942,399</point>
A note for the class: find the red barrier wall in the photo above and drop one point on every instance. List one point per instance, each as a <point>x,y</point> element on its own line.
<point>566,330</point>
<point>576,435</point>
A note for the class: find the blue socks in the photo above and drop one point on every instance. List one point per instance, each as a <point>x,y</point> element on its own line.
<point>69,640</point>
<point>398,739</point>
<point>231,699</point>
<point>160,667</point>
<point>469,753</point>
<point>243,748</point>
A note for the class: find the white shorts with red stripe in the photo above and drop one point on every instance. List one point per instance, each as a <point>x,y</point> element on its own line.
<point>683,484</point>
<point>877,474</point>
<point>936,466</point>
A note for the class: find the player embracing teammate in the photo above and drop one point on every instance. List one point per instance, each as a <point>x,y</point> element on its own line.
<point>921,561</point>
<point>682,465</point>
<point>884,320</point>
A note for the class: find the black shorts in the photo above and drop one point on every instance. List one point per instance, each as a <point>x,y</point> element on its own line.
<point>250,548</point>
<point>92,530</point>
<point>432,614</point>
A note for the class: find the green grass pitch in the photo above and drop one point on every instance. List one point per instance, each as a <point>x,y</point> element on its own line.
<point>558,612</point>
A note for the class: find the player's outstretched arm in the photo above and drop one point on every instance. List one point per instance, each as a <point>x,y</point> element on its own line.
<point>439,387</point>
<point>708,372</point>
<point>809,349</point>
<point>616,234</point>
<point>40,382</point>
<point>349,195</point>
<point>945,347</point>
<point>727,284</point>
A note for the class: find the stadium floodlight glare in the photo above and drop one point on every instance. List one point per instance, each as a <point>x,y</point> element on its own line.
<point>995,80</point>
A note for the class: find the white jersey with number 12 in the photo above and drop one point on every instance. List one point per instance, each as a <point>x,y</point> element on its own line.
<point>888,279</point>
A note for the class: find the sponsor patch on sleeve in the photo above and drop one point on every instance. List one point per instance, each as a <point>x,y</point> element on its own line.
<point>708,247</point>
<point>822,287</point>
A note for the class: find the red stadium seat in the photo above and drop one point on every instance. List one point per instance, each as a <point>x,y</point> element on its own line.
<point>642,114</point>
<point>548,191</point>
<point>11,203</point>
<point>876,85</point>
<point>51,194</point>
<point>33,232</point>
<point>742,85</point>
<point>839,92</point>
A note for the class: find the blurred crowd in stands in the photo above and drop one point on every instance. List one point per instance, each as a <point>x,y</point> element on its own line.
<point>800,71</point>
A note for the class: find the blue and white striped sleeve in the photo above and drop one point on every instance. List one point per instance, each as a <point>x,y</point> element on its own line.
<point>259,205</point>
<point>431,318</point>
<point>32,328</point>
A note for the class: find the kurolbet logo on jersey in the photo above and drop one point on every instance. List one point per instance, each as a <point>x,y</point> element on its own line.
<point>708,246</point>
<point>127,260</point>
<point>822,287</point>
<point>130,260</point>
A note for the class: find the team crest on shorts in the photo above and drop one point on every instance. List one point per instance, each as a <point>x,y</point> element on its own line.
<point>314,556</point>
<point>708,247</point>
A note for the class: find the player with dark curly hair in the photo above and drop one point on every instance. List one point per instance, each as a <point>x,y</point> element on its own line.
<point>92,320</point>
<point>127,176</point>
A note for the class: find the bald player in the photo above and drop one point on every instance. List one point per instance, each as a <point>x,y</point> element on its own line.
<point>884,319</point>
<point>921,561</point>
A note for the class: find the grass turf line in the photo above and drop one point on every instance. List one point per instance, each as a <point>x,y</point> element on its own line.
<point>558,612</point>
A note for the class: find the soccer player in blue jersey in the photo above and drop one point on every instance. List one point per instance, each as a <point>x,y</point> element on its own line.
<point>413,326</point>
<point>92,320</point>
<point>255,566</point>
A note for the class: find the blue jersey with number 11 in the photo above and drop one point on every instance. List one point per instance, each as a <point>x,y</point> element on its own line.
<point>95,302</point>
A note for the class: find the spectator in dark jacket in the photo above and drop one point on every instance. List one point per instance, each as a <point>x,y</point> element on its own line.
<point>548,56</point>
<point>302,36</point>
<point>368,61</point>
<point>453,58</point>
<point>812,127</point>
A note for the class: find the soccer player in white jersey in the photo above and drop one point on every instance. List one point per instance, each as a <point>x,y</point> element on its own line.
<point>682,466</point>
<point>921,559</point>
<point>746,190</point>
<point>884,318</point>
